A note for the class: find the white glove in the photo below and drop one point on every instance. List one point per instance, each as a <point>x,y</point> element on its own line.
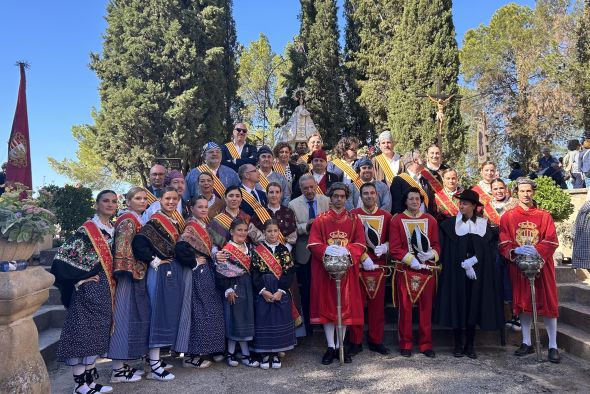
<point>380,250</point>
<point>470,272</point>
<point>155,263</point>
<point>228,292</point>
<point>426,256</point>
<point>469,263</point>
<point>415,264</point>
<point>369,265</point>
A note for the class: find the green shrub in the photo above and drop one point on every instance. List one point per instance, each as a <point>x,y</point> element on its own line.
<point>72,206</point>
<point>552,198</point>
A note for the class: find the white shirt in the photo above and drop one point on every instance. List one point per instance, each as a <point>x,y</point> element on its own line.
<point>393,163</point>
<point>417,177</point>
<point>318,177</point>
<point>211,201</point>
<point>486,187</point>
<point>250,191</point>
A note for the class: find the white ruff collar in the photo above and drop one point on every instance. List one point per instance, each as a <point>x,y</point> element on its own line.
<point>108,228</point>
<point>469,227</point>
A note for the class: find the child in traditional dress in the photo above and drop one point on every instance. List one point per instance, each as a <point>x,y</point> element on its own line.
<point>233,278</point>
<point>201,332</point>
<point>83,270</point>
<point>272,275</point>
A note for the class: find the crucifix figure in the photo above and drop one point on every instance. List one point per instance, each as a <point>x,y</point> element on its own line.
<point>440,99</point>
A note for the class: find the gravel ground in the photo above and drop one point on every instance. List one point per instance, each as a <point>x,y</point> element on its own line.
<point>496,370</point>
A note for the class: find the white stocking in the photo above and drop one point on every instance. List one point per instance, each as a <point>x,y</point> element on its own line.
<point>117,364</point>
<point>231,346</point>
<point>244,347</point>
<point>526,321</point>
<point>551,327</point>
<point>329,332</point>
<point>154,355</point>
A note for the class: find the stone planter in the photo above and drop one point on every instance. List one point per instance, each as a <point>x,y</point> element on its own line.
<point>22,369</point>
<point>16,250</point>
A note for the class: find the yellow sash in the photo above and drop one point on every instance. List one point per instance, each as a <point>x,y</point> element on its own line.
<point>259,210</point>
<point>389,175</point>
<point>224,219</point>
<point>151,198</point>
<point>345,167</point>
<point>276,167</point>
<point>263,180</point>
<point>218,186</point>
<point>406,177</point>
<point>232,150</point>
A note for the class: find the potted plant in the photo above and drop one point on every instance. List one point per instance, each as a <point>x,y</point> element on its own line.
<point>22,224</point>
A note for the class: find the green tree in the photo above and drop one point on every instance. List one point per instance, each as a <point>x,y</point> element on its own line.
<point>71,205</point>
<point>583,66</point>
<point>166,84</point>
<point>424,52</point>
<point>259,78</point>
<point>519,66</point>
<point>370,32</point>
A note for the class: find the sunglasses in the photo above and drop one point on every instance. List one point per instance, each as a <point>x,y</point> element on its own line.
<point>244,131</point>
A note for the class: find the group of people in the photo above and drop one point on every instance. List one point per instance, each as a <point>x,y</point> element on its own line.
<point>227,263</point>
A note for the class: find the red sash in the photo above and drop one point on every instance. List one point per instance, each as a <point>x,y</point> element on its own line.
<point>201,232</point>
<point>446,202</point>
<point>371,281</point>
<point>270,260</point>
<point>240,256</point>
<point>167,224</point>
<point>103,251</point>
<point>132,217</point>
<point>489,211</point>
<point>432,180</point>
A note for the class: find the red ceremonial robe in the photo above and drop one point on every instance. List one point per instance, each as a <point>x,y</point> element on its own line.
<point>534,226</point>
<point>331,228</point>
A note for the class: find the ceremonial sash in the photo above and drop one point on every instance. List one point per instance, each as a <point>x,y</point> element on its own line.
<point>104,253</point>
<point>258,209</point>
<point>489,211</point>
<point>224,219</point>
<point>202,233</point>
<point>263,180</point>
<point>432,180</point>
<point>371,281</point>
<point>389,175</point>
<point>358,182</point>
<point>270,260</point>
<point>218,186</point>
<point>167,224</point>
<point>277,167</point>
<point>132,217</point>
<point>446,202</point>
<point>345,167</point>
<point>233,151</point>
<point>318,190</point>
<point>406,177</point>
<point>275,267</point>
<point>176,215</point>
<point>304,157</point>
<point>151,198</point>
<point>240,256</point>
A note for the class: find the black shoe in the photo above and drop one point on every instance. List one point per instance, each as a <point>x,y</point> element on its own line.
<point>429,353</point>
<point>470,352</point>
<point>554,356</point>
<point>347,357</point>
<point>405,352</point>
<point>354,349</point>
<point>458,352</point>
<point>524,350</point>
<point>329,356</point>
<point>379,348</point>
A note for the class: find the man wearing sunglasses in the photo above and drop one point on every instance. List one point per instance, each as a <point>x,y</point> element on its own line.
<point>238,151</point>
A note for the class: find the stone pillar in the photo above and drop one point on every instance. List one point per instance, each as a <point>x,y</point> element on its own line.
<point>22,369</point>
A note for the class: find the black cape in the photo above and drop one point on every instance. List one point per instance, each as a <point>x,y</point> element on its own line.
<point>463,302</point>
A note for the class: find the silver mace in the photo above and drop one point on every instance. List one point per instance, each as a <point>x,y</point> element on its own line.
<point>336,266</point>
<point>531,267</point>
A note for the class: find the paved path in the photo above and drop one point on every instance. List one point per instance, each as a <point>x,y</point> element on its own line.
<point>496,370</point>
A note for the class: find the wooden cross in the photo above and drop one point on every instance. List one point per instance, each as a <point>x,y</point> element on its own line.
<point>439,99</point>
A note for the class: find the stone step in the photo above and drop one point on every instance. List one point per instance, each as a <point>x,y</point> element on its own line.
<point>572,339</point>
<point>574,292</point>
<point>48,340</point>
<point>49,316</point>
<point>575,314</point>
<point>565,274</point>
<point>54,296</point>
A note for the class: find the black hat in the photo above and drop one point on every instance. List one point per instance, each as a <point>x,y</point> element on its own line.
<point>469,195</point>
<point>263,149</point>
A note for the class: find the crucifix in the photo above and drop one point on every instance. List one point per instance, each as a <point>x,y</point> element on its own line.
<point>441,100</point>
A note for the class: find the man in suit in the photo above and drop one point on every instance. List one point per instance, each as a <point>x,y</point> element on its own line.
<point>238,152</point>
<point>412,177</point>
<point>157,176</point>
<point>306,207</point>
<point>252,195</point>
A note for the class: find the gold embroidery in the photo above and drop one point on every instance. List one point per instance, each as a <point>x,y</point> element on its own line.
<point>527,233</point>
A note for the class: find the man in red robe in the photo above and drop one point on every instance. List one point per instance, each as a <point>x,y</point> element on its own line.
<point>413,243</point>
<point>336,233</point>
<point>376,226</point>
<point>528,230</point>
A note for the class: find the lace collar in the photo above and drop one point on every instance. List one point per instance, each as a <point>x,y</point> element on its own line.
<point>469,227</point>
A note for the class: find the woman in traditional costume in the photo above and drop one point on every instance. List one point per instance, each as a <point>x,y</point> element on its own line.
<point>201,331</point>
<point>131,315</point>
<point>83,273</point>
<point>447,203</point>
<point>469,289</point>
<point>272,276</point>
<point>154,245</point>
<point>219,227</point>
<point>233,278</point>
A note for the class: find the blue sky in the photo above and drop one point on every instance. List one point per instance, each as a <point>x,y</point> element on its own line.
<point>56,38</point>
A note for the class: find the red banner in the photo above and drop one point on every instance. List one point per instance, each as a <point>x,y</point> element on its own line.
<point>18,168</point>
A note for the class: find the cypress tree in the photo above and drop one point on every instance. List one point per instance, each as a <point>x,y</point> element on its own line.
<point>583,55</point>
<point>424,52</point>
<point>166,86</point>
